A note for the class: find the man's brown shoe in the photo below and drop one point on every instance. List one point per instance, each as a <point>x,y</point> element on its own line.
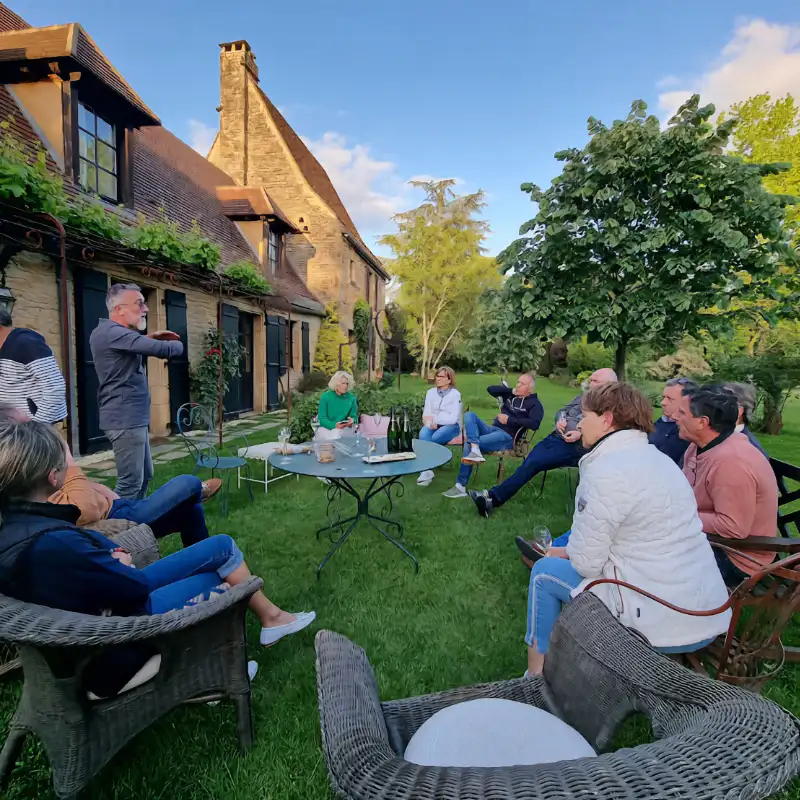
<point>211,487</point>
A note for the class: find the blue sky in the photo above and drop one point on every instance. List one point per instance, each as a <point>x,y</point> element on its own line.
<point>384,92</point>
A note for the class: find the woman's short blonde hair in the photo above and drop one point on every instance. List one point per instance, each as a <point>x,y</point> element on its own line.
<point>450,372</point>
<point>337,376</point>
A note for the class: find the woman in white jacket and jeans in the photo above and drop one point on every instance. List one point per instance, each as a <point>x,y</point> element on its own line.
<point>635,521</point>
<point>441,416</point>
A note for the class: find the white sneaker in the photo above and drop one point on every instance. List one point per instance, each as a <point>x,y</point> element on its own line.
<point>425,478</point>
<point>271,635</point>
<point>475,456</point>
<point>457,491</point>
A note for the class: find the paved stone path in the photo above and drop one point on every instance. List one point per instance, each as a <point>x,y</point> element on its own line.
<point>102,465</point>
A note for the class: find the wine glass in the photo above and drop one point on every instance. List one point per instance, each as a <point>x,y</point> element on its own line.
<point>542,538</point>
<point>314,425</point>
<point>285,435</point>
<point>376,418</point>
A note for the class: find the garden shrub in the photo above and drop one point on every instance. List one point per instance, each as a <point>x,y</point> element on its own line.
<point>326,354</point>
<point>683,363</point>
<point>312,382</point>
<point>584,356</point>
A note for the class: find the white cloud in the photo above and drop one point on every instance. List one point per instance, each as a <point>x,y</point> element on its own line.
<point>201,136</point>
<point>371,190</point>
<point>761,57</point>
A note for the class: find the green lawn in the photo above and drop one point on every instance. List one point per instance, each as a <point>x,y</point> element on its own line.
<point>459,621</point>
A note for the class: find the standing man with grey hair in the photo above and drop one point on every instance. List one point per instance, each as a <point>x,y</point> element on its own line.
<point>746,400</point>
<point>118,347</point>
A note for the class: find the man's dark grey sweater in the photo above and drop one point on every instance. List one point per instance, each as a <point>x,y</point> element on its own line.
<point>123,395</point>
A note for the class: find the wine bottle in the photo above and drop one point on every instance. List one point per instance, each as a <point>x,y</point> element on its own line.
<point>408,437</point>
<point>393,434</point>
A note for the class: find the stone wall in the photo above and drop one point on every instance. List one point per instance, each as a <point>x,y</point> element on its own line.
<point>32,279</point>
<point>253,152</point>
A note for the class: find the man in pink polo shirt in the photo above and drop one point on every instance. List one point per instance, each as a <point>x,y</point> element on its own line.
<point>735,488</point>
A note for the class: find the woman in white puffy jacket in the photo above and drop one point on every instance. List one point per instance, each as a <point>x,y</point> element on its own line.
<point>441,417</point>
<point>635,521</point>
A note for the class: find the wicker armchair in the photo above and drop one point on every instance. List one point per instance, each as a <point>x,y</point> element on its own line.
<point>202,655</point>
<point>713,740</point>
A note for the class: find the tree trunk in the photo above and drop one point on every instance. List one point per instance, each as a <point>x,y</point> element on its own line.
<point>619,360</point>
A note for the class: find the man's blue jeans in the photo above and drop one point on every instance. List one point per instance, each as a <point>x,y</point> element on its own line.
<point>442,435</point>
<point>487,437</point>
<point>189,573</point>
<point>551,453</point>
<point>175,507</point>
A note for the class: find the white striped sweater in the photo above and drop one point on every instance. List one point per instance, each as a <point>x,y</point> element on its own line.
<point>30,379</point>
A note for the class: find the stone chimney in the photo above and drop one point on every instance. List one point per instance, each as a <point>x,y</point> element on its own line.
<point>237,67</point>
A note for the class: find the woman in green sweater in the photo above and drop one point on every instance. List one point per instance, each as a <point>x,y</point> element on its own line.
<point>338,409</point>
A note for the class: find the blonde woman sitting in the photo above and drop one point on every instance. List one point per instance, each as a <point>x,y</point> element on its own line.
<point>441,416</point>
<point>338,409</point>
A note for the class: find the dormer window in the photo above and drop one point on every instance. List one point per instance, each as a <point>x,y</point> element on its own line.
<point>98,164</point>
<point>273,250</point>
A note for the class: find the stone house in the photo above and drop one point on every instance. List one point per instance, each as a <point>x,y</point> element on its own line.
<point>257,147</point>
<point>60,94</point>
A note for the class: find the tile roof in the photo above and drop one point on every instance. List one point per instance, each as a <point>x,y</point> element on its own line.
<point>314,172</point>
<point>250,202</point>
<point>169,174</point>
<point>9,21</point>
<point>68,41</point>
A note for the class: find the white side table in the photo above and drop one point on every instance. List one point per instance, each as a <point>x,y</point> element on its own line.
<point>261,452</point>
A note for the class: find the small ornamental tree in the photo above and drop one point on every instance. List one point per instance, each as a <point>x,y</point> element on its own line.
<point>645,233</point>
<point>205,374</point>
<point>326,355</point>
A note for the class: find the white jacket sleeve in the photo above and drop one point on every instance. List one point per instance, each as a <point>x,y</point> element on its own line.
<point>598,514</point>
<point>427,411</point>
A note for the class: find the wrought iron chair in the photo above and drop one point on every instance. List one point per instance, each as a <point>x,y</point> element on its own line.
<point>712,740</point>
<point>196,427</point>
<point>203,657</point>
<point>750,653</point>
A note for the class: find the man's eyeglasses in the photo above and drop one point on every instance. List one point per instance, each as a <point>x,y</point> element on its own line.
<point>137,304</point>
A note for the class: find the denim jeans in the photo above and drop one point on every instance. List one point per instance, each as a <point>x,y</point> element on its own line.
<point>184,575</point>
<point>442,435</point>
<point>175,507</point>
<point>131,448</point>
<point>487,437</point>
<point>551,453</point>
<point>551,587</point>
<point>552,581</point>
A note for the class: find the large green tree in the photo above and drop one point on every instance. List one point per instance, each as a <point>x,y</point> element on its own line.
<point>442,271</point>
<point>644,232</point>
<point>768,131</point>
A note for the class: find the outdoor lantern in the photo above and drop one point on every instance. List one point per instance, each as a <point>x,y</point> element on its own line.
<point>7,299</point>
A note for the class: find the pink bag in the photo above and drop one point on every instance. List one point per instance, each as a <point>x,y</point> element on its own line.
<point>367,426</point>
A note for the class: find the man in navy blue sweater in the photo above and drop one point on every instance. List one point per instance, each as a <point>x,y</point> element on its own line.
<point>665,433</point>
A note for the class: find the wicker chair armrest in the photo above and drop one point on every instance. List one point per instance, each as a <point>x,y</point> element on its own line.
<point>39,626</point>
<point>778,544</point>
<point>403,718</point>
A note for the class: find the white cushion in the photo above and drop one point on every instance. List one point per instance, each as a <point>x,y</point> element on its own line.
<point>494,733</point>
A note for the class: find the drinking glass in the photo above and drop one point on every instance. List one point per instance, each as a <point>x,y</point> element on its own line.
<point>542,537</point>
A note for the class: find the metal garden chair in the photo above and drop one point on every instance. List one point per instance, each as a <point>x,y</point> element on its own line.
<point>196,428</point>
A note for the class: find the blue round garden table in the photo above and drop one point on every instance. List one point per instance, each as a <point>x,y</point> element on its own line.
<point>365,483</point>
